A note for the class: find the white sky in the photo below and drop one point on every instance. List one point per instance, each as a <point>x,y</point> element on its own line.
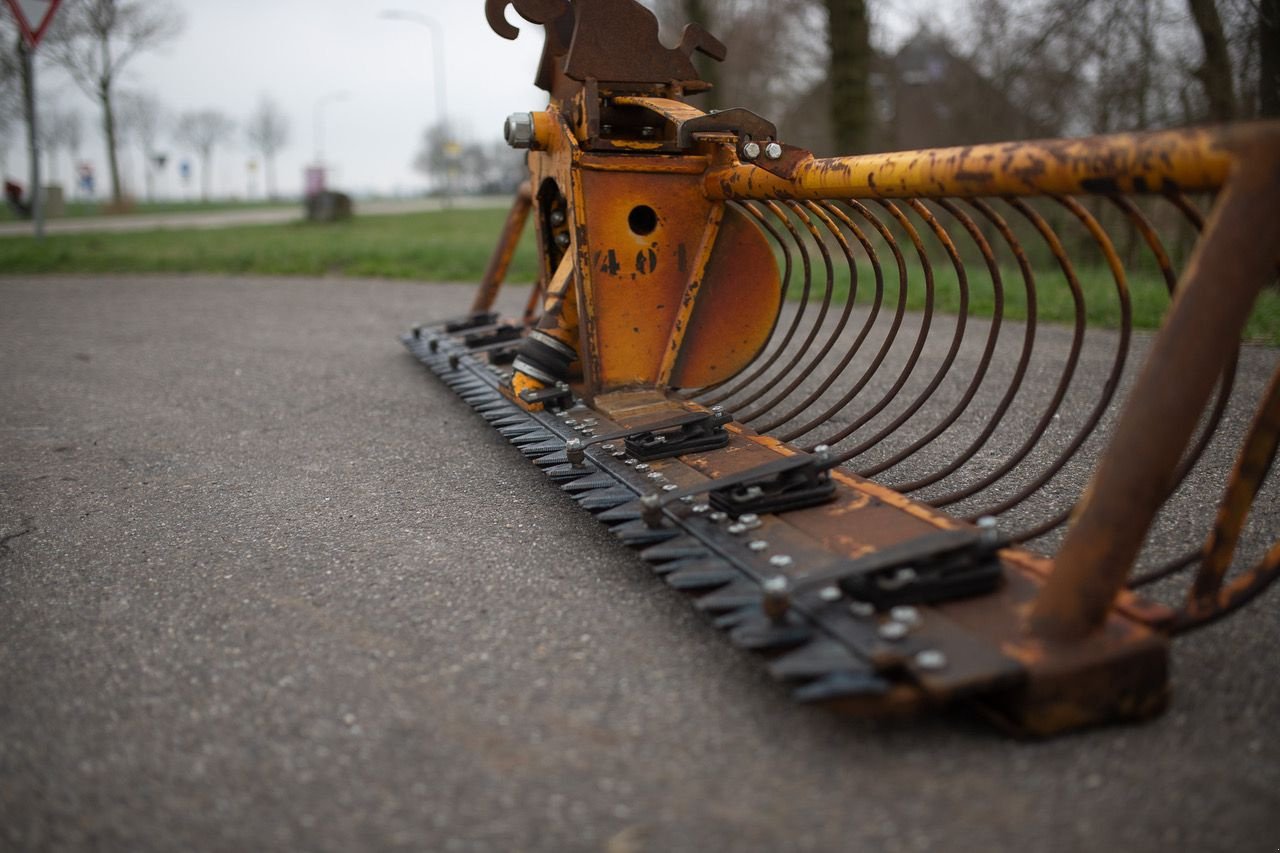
<point>301,51</point>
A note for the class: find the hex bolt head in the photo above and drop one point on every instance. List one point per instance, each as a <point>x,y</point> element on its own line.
<point>931,660</point>
<point>758,545</point>
<point>905,614</point>
<point>651,510</point>
<point>748,518</point>
<point>608,448</point>
<point>830,594</point>
<point>773,151</point>
<point>777,597</point>
<point>701,509</point>
<point>653,475</point>
<point>750,150</point>
<point>518,130</point>
<point>893,631</point>
<point>670,487</point>
<point>862,609</point>
<point>574,451</point>
<point>990,529</point>
<point>781,561</point>
<point>719,517</point>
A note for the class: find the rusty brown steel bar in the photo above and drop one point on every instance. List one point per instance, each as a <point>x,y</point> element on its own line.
<point>1195,160</point>
<point>1227,270</point>
<point>496,273</point>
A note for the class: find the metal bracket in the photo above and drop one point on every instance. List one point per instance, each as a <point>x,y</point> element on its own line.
<point>553,398</point>
<point>692,432</point>
<point>793,482</point>
<point>941,567</point>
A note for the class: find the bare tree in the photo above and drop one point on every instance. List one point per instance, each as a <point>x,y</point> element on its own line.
<point>95,39</point>
<point>59,130</point>
<point>849,37</point>
<point>203,131</point>
<point>1269,58</point>
<point>143,117</point>
<point>776,48</point>
<point>1215,71</point>
<point>268,132</point>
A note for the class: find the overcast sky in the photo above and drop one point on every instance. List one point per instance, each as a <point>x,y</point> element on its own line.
<point>301,52</point>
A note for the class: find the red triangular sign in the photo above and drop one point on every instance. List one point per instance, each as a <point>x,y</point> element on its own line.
<point>34,17</point>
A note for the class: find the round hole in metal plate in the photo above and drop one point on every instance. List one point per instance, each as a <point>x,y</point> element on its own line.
<point>643,220</point>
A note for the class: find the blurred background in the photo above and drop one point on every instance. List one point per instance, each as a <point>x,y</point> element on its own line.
<point>240,101</point>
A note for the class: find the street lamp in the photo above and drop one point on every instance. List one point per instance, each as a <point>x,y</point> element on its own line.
<point>319,120</point>
<point>437,36</point>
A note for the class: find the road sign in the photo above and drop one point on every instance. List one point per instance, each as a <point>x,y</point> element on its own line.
<point>34,17</point>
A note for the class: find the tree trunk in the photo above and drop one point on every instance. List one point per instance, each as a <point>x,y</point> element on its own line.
<point>109,135</point>
<point>1215,72</point>
<point>849,36</point>
<point>269,162</point>
<point>206,175</point>
<point>1269,50</point>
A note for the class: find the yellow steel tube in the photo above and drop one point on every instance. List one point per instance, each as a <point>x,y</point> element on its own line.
<point>1190,160</point>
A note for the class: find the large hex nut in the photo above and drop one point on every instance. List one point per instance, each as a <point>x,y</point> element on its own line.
<point>519,130</point>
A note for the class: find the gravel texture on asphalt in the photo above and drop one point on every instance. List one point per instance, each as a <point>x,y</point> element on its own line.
<point>266,584</point>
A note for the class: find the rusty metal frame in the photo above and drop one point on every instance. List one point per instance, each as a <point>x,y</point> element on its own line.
<point>1062,642</point>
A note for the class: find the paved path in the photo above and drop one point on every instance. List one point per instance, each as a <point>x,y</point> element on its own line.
<point>265,584</point>
<point>232,218</point>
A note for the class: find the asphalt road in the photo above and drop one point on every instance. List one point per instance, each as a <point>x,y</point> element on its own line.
<point>265,584</point>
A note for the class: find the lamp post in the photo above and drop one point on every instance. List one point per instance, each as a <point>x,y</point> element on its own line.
<point>442,110</point>
<point>319,121</point>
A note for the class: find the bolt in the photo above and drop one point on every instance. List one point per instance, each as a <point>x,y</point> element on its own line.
<point>606,130</point>
<point>719,517</point>
<point>643,466</point>
<point>750,150</point>
<point>777,597</point>
<point>822,452</point>
<point>557,217</point>
<point>686,499</point>
<point>648,132</point>
<point>862,609</point>
<point>905,614</point>
<point>608,448</point>
<point>931,660</point>
<point>717,410</point>
<point>893,631</point>
<point>737,529</point>
<point>701,509</point>
<point>773,151</point>
<point>563,240</point>
<point>830,593</point>
<point>651,510</point>
<point>670,487</point>
<point>629,462</point>
<point>780,561</point>
<point>518,130</point>
<point>758,545</point>
<point>990,530</point>
<point>653,475</point>
<point>749,518</point>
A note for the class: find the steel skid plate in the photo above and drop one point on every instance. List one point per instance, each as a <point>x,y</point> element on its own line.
<point>795,585</point>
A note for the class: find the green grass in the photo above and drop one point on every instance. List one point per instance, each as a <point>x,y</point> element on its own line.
<point>444,246</point>
<point>456,245</point>
<point>1148,296</point>
<point>82,209</point>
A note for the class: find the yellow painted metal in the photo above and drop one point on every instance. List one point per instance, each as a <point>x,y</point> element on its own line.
<point>1192,160</point>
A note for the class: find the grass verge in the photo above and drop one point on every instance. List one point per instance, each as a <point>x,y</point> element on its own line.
<point>456,245</point>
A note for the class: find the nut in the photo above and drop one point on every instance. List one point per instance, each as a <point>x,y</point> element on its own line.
<point>518,130</point>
